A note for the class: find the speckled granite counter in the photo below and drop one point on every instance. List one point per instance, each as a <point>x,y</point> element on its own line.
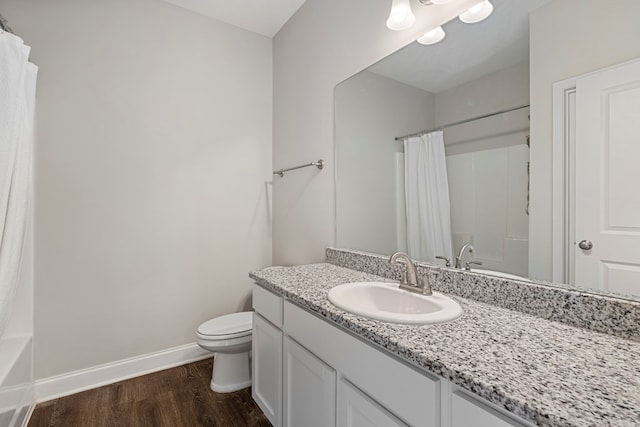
<point>548,373</point>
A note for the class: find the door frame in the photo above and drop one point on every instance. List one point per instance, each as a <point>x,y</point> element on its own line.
<point>563,184</point>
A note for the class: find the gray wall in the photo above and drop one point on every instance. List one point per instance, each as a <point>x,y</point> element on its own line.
<point>152,156</point>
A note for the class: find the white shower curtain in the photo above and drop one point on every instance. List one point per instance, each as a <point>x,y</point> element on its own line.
<point>17,99</point>
<point>427,197</point>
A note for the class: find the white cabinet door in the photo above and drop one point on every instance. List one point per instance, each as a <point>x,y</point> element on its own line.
<point>607,206</point>
<point>266,362</point>
<point>309,388</point>
<point>356,409</point>
<point>467,412</point>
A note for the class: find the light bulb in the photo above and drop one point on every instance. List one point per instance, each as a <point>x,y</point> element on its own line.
<point>477,13</point>
<point>401,16</point>
<point>432,37</point>
<point>477,8</point>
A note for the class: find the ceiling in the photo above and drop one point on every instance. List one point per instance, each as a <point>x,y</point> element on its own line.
<point>467,52</point>
<point>264,17</point>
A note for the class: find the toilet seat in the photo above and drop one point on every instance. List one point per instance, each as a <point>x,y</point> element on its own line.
<point>226,327</point>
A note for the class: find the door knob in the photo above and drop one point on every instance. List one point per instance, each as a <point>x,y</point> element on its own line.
<point>585,245</point>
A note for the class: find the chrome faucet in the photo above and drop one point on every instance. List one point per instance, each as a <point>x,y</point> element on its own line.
<point>460,256</point>
<point>410,280</point>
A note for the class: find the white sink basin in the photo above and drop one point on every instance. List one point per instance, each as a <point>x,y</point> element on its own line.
<point>386,301</point>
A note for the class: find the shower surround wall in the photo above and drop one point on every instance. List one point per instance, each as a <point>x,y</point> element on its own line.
<point>152,161</point>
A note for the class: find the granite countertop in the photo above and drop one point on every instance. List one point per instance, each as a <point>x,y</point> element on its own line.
<point>546,372</point>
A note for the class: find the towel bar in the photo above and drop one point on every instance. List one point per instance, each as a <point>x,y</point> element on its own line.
<point>319,164</point>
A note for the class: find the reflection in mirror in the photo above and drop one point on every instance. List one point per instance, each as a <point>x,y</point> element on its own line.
<point>475,72</point>
<point>462,86</point>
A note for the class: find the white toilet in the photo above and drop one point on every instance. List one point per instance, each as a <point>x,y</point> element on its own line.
<point>229,338</point>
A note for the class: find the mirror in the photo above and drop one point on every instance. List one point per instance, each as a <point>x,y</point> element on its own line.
<point>463,85</point>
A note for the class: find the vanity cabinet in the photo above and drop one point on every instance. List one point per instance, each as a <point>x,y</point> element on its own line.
<point>307,371</point>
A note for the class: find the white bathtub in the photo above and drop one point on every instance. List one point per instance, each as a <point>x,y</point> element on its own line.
<point>16,380</point>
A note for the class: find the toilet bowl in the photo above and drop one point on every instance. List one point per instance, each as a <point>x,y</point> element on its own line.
<point>229,338</point>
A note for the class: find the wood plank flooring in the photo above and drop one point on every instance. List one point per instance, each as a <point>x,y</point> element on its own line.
<point>177,397</point>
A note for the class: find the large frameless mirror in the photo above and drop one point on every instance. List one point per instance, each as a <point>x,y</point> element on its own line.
<point>483,95</point>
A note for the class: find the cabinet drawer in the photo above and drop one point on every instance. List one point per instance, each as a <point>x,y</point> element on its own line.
<point>410,395</point>
<point>467,411</point>
<point>268,304</point>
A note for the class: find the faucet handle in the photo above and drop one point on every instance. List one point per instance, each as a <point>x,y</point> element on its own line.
<point>446,260</point>
<point>468,264</point>
<point>425,284</point>
<point>403,277</point>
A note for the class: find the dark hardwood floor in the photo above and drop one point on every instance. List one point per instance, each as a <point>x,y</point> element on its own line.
<point>177,397</point>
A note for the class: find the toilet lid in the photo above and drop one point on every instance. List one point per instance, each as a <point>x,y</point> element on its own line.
<point>229,326</point>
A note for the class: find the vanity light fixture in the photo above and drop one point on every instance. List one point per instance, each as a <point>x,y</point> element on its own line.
<point>477,13</point>
<point>432,37</point>
<point>401,16</point>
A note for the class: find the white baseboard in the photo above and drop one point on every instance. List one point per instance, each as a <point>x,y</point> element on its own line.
<point>109,373</point>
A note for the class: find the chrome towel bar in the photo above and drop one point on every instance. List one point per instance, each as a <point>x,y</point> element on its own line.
<point>319,164</point>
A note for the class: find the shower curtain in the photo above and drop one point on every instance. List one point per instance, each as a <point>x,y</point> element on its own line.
<point>427,197</point>
<point>17,99</point>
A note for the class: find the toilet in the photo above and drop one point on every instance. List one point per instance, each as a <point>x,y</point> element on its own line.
<point>229,338</point>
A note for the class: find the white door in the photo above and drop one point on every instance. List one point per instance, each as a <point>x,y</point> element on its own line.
<point>607,208</point>
<point>309,388</point>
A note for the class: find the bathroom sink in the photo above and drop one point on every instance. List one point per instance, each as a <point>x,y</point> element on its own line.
<point>386,301</point>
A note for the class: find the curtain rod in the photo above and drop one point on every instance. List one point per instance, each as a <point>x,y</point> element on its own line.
<point>461,122</point>
<point>4,25</point>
